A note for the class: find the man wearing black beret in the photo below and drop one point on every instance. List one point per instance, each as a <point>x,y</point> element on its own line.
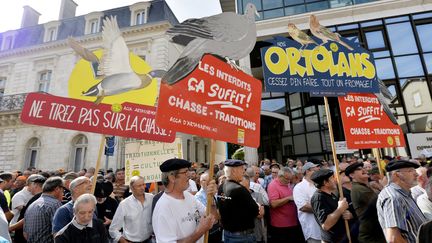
<point>364,202</point>
<point>178,216</point>
<point>329,212</point>
<point>398,214</point>
<point>237,208</point>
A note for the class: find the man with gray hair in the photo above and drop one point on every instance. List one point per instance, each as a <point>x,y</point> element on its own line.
<point>35,183</point>
<point>424,201</point>
<point>19,200</point>
<point>283,211</point>
<point>302,194</point>
<point>398,214</point>
<point>64,214</point>
<point>178,216</point>
<point>38,217</point>
<point>68,178</point>
<point>133,215</point>
<point>237,208</point>
<point>83,227</point>
<point>251,172</point>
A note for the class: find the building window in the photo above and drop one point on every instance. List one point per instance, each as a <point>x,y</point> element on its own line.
<point>205,153</point>
<point>93,22</point>
<point>375,40</point>
<point>52,34</point>
<point>51,30</point>
<point>94,26</point>
<point>188,149</point>
<point>417,99</point>
<point>196,152</point>
<point>139,13</point>
<point>8,43</point>
<point>44,81</point>
<point>32,153</point>
<point>79,151</point>
<point>2,85</point>
<point>140,17</point>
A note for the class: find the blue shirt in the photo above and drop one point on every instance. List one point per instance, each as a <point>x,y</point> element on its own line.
<point>201,196</point>
<point>64,216</point>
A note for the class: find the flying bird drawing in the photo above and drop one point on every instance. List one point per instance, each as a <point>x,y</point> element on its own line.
<point>114,66</point>
<point>325,34</point>
<point>300,36</point>
<point>227,35</point>
<point>385,97</point>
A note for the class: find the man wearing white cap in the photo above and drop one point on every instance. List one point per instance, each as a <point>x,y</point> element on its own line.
<point>303,192</point>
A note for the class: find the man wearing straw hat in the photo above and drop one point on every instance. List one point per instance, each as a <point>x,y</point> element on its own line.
<point>398,213</point>
<point>328,211</point>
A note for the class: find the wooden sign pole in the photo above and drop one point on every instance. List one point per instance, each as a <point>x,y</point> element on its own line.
<point>376,154</point>
<point>210,175</point>
<point>335,160</point>
<point>98,163</point>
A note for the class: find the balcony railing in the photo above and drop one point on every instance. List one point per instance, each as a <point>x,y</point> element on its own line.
<point>9,103</point>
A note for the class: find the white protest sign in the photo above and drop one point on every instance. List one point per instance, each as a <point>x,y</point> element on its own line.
<point>144,157</point>
<point>341,148</point>
<point>420,143</point>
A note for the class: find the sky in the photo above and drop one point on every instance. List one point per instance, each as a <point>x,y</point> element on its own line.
<point>11,11</point>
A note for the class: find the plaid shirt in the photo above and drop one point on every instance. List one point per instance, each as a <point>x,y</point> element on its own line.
<point>38,218</point>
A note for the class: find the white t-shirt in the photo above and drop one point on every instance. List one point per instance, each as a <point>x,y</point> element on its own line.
<point>21,198</point>
<point>425,205</point>
<point>302,194</point>
<point>175,219</point>
<point>192,186</point>
<point>4,227</point>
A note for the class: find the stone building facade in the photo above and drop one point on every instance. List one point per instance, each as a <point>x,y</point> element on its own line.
<point>36,57</point>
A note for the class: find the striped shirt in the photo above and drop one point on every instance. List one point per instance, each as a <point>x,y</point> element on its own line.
<point>38,218</point>
<point>119,190</point>
<point>396,208</point>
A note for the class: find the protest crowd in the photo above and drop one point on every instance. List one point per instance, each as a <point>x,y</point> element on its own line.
<point>292,201</point>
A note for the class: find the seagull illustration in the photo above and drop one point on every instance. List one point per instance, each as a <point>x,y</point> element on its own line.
<point>325,34</point>
<point>300,36</point>
<point>114,66</point>
<point>226,35</point>
<point>384,97</point>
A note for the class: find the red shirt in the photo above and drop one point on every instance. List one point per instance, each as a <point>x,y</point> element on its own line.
<point>285,215</point>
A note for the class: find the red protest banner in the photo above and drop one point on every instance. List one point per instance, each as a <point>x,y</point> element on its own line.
<point>366,125</point>
<point>126,120</point>
<point>214,101</point>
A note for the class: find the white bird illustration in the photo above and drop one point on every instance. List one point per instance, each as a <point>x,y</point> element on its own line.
<point>114,65</point>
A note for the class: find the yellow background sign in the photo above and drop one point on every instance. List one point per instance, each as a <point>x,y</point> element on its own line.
<point>82,78</point>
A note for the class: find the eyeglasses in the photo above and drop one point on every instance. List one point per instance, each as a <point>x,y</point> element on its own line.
<point>183,172</point>
<point>409,170</point>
